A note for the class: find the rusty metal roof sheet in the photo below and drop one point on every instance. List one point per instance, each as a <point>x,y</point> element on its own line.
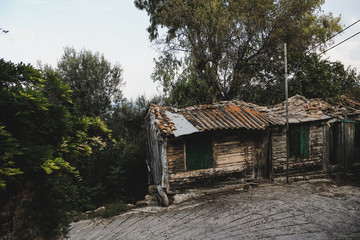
<point>223,115</point>
<point>241,115</point>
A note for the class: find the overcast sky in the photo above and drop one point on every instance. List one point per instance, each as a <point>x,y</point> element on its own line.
<point>40,29</point>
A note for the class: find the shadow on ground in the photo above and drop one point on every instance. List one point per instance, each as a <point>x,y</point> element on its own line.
<point>315,209</point>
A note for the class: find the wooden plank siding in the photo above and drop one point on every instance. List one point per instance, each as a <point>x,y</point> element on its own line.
<point>175,155</point>
<point>233,150</point>
<point>237,154</point>
<point>313,162</point>
<point>343,143</point>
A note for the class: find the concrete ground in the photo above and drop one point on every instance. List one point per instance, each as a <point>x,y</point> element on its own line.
<point>318,209</point>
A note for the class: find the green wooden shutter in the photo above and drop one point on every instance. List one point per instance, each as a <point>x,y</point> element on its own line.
<point>299,141</point>
<point>304,141</point>
<point>199,152</point>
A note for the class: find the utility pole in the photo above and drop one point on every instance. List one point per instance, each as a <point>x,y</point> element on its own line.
<point>287,115</point>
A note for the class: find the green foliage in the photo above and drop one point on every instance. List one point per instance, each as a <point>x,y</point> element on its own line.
<point>8,151</point>
<point>52,165</point>
<point>321,78</point>
<point>41,142</point>
<point>224,48</point>
<point>116,170</point>
<point>58,154</point>
<point>311,77</point>
<point>180,87</point>
<point>95,83</point>
<point>32,127</point>
<point>355,92</point>
<point>55,90</point>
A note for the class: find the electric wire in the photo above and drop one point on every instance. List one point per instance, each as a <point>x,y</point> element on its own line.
<point>334,35</point>
<point>339,43</point>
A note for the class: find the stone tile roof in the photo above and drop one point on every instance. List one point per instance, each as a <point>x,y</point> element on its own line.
<point>302,109</point>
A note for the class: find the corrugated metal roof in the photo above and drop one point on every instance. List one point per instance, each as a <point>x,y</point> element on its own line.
<point>224,115</point>
<point>241,115</point>
<point>183,126</point>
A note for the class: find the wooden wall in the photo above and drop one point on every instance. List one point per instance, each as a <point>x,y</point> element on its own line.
<point>154,150</point>
<point>237,154</point>
<point>234,150</point>
<point>296,164</point>
<point>343,143</point>
<point>256,154</point>
<point>175,154</point>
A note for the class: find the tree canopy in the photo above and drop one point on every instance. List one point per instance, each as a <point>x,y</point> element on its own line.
<point>227,46</point>
<point>311,77</point>
<point>40,143</point>
<point>95,82</point>
<point>317,78</point>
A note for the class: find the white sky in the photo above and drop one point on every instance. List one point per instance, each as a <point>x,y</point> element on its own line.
<point>40,29</point>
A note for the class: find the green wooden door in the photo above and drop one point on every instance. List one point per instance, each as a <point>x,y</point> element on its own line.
<point>199,152</point>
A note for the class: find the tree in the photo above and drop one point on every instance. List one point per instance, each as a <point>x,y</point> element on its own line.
<point>321,78</point>
<point>96,86</point>
<point>229,45</point>
<point>116,170</point>
<point>311,77</point>
<point>127,123</point>
<point>95,82</point>
<point>40,143</point>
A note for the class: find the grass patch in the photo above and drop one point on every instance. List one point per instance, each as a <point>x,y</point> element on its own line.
<point>110,210</point>
<point>114,209</point>
<point>75,216</point>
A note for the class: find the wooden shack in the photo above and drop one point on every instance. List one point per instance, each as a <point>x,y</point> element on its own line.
<point>321,135</point>
<point>201,145</point>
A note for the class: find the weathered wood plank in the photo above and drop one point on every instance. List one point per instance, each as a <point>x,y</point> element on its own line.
<point>233,154</point>
<point>232,150</point>
<point>204,177</point>
<point>297,165</point>
<point>175,155</point>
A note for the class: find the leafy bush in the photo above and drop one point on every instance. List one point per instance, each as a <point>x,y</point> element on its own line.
<point>41,142</point>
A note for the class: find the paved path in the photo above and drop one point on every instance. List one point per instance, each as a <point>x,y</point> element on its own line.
<point>297,211</point>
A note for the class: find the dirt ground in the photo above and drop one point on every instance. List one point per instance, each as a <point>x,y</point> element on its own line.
<point>317,209</point>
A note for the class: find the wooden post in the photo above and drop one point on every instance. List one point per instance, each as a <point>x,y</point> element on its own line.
<point>287,115</point>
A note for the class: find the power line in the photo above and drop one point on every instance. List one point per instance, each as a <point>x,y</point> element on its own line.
<point>339,43</point>
<point>334,35</point>
<point>343,30</point>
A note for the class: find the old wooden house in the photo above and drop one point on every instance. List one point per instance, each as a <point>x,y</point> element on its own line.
<point>321,135</point>
<point>201,145</point>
